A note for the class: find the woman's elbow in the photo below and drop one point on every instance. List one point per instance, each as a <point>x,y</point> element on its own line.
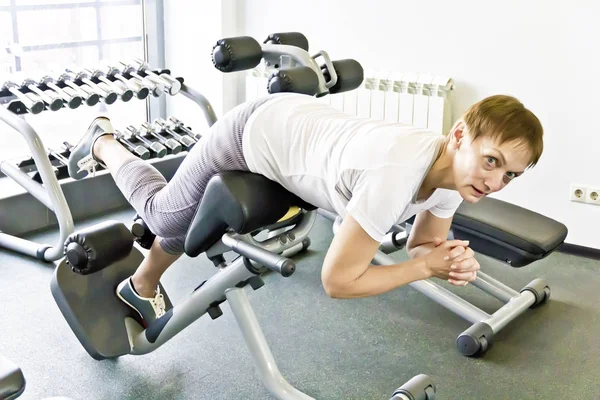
<point>336,288</point>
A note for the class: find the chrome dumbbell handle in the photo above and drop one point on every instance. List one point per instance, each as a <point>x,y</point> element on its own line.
<point>123,91</point>
<point>156,88</point>
<point>32,103</point>
<point>140,91</point>
<point>172,85</point>
<point>72,98</point>
<point>155,147</point>
<point>49,97</point>
<point>172,144</point>
<point>89,95</point>
<point>139,150</point>
<point>101,88</point>
<point>186,140</point>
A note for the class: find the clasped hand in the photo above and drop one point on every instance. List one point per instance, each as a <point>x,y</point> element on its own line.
<point>452,260</point>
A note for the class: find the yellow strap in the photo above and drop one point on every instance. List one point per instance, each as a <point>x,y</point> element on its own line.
<point>292,212</point>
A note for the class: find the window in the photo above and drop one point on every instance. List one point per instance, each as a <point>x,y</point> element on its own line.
<point>39,37</point>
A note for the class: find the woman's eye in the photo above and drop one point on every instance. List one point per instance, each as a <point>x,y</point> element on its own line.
<point>491,160</point>
<point>511,175</point>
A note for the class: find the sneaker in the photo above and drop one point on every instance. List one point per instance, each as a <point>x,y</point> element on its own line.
<point>149,308</point>
<point>81,161</point>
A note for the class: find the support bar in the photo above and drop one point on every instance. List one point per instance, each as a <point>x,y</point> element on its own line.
<point>203,103</point>
<point>259,348</point>
<point>37,190</point>
<point>57,201</point>
<point>507,290</point>
<point>440,295</point>
<point>511,310</point>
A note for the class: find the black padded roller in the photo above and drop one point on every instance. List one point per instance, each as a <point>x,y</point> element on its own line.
<point>92,249</point>
<point>236,54</point>
<point>289,38</point>
<point>296,80</point>
<point>350,75</point>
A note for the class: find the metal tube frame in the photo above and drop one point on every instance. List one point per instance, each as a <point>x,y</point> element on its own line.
<point>515,303</point>
<point>50,193</point>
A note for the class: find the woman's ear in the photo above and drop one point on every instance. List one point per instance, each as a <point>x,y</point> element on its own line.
<point>457,134</point>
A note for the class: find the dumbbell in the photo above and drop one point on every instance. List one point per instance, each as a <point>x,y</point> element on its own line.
<point>68,95</point>
<point>155,147</point>
<point>179,125</point>
<point>101,88</point>
<point>32,103</point>
<point>89,95</point>
<point>172,144</point>
<point>138,150</point>
<point>49,97</point>
<point>156,88</point>
<point>123,91</point>
<point>172,85</point>
<point>139,90</point>
<point>186,140</point>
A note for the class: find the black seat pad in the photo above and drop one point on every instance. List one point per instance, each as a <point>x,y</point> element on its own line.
<point>12,382</point>
<point>494,224</point>
<point>237,200</point>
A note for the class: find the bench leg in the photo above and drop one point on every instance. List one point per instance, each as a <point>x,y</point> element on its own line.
<point>476,340</point>
<point>259,348</point>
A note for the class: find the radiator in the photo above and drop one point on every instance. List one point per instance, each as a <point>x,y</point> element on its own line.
<point>422,100</point>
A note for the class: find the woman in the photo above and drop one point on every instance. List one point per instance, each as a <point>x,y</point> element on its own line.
<point>372,173</point>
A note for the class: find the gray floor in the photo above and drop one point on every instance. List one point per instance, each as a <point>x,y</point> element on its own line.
<point>330,349</point>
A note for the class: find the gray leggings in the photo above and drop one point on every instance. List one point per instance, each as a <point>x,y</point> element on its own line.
<point>168,208</point>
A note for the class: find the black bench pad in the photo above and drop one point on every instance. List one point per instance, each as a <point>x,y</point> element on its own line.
<point>507,232</point>
<point>240,201</point>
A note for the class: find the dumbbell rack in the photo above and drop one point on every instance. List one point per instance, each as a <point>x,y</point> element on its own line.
<point>48,168</point>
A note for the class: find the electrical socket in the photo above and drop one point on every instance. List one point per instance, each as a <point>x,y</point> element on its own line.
<point>593,196</point>
<point>579,193</point>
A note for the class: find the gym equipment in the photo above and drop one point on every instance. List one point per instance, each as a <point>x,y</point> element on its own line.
<point>31,102</point>
<point>140,91</point>
<point>172,85</point>
<point>101,88</point>
<point>40,173</point>
<point>236,207</point>
<point>87,92</point>
<point>68,95</point>
<point>138,150</point>
<point>123,91</point>
<point>184,139</point>
<point>296,70</point>
<point>51,98</point>
<point>156,148</point>
<point>156,89</point>
<point>172,144</point>
<point>504,231</point>
<point>12,381</point>
<point>177,124</point>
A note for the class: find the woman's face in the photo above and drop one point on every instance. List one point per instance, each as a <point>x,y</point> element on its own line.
<point>485,166</point>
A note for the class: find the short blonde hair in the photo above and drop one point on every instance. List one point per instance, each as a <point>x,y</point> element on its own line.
<point>506,119</point>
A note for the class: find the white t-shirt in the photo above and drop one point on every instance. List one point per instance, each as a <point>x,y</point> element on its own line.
<point>369,169</point>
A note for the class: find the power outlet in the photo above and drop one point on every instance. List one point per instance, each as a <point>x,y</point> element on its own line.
<point>579,193</point>
<point>593,196</point>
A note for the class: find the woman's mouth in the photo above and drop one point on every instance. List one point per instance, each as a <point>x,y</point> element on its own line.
<point>478,192</point>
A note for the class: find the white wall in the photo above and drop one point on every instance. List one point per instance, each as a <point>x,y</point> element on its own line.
<point>191,30</point>
<point>546,55</point>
